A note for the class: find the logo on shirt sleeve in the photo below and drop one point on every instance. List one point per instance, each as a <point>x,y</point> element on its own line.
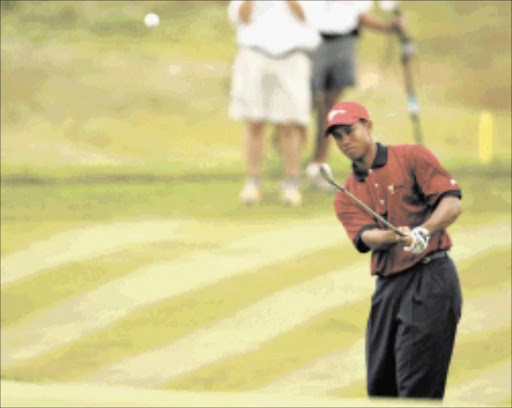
<point>453,182</point>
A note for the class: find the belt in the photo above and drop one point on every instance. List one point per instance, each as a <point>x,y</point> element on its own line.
<point>434,255</point>
<point>337,36</point>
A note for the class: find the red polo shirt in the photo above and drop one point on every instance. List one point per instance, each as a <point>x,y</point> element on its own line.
<point>404,185</point>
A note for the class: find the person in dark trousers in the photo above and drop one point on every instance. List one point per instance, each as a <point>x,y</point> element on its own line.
<point>334,62</point>
<point>417,301</point>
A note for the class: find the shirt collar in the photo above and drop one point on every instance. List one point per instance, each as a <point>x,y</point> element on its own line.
<point>381,158</point>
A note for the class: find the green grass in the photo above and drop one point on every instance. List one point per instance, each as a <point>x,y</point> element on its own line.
<point>64,205</point>
<point>323,334</point>
<point>104,120</point>
<point>21,299</point>
<point>476,353</point>
<point>157,325</point>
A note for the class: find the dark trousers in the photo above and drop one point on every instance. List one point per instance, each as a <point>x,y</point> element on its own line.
<point>411,331</point>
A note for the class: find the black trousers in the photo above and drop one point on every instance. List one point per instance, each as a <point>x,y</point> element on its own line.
<point>411,331</point>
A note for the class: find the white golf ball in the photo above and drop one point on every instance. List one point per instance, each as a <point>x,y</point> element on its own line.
<point>151,20</point>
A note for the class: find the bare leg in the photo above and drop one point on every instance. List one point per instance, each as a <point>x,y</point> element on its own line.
<point>253,144</point>
<point>291,146</point>
<point>254,147</point>
<point>323,103</point>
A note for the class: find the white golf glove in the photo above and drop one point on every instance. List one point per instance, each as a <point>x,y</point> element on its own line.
<point>420,241</point>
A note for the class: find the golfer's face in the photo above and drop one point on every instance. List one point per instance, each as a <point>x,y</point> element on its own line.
<point>354,141</point>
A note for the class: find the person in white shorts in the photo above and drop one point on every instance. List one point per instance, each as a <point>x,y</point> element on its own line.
<point>271,84</point>
<point>334,68</point>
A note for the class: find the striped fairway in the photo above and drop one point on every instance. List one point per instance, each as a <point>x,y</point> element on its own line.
<point>18,394</point>
<point>250,328</point>
<point>83,244</point>
<point>487,388</point>
<point>96,309</point>
<point>245,330</point>
<point>270,317</point>
<point>345,367</point>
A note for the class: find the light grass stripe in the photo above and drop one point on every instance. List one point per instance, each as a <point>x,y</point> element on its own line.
<point>101,307</point>
<point>82,244</point>
<point>347,366</point>
<point>20,394</point>
<point>263,321</point>
<point>489,387</point>
<point>157,325</point>
<point>245,330</point>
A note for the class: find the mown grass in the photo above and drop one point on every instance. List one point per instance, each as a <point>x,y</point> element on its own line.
<point>65,205</point>
<point>157,325</point>
<point>36,293</point>
<point>105,120</point>
<point>337,328</point>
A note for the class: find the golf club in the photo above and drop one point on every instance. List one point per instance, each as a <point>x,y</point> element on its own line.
<point>326,173</point>
<point>408,49</point>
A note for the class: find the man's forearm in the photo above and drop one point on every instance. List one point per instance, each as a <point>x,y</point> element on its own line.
<point>379,238</point>
<point>369,20</point>
<point>445,214</point>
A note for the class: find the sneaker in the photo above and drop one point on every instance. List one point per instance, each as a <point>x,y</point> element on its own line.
<point>291,196</point>
<point>315,177</point>
<point>251,194</point>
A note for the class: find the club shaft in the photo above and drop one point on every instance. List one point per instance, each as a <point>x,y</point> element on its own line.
<point>367,209</point>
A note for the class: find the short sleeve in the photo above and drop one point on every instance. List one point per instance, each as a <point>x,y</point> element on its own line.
<point>433,180</point>
<point>354,220</point>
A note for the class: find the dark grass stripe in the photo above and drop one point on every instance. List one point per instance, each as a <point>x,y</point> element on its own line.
<point>159,324</point>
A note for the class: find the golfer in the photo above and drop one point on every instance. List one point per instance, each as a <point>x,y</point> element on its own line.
<point>417,301</point>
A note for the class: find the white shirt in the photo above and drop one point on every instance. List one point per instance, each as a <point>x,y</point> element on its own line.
<point>336,17</point>
<point>273,28</point>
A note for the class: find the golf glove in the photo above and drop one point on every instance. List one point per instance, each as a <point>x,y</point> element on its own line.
<point>420,241</point>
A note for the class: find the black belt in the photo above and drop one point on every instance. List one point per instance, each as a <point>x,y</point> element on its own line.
<point>337,36</point>
<point>434,255</point>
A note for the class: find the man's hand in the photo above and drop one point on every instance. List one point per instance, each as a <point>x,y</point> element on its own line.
<point>398,24</point>
<point>245,11</point>
<point>296,9</point>
<point>418,240</point>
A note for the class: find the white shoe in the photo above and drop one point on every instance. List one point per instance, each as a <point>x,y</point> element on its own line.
<point>251,194</point>
<point>315,177</point>
<point>291,196</point>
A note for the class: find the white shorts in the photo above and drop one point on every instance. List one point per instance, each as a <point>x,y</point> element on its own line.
<point>275,90</point>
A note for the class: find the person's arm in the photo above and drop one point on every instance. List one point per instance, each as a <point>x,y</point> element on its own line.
<point>369,20</point>
<point>445,214</point>
<point>245,12</point>
<point>296,9</point>
<point>378,238</point>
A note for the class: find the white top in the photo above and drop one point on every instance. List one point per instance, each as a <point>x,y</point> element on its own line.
<point>273,27</point>
<point>336,17</point>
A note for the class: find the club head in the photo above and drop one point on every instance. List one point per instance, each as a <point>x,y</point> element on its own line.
<point>325,171</point>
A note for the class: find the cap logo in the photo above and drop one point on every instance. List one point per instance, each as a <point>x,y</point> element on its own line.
<point>333,113</point>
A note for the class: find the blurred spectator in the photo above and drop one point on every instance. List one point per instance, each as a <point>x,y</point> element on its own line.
<point>271,84</point>
<point>338,23</point>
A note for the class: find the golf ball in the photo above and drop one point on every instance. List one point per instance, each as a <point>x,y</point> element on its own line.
<point>151,20</point>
